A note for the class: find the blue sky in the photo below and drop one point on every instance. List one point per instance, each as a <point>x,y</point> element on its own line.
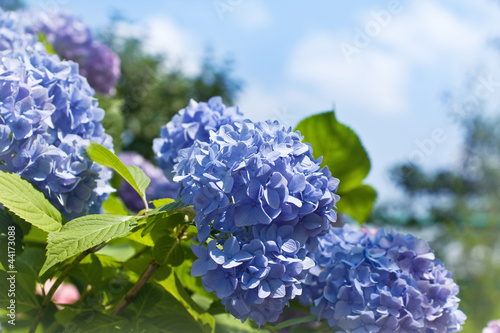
<point>382,64</point>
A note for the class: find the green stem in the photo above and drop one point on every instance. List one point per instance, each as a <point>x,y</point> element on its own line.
<point>48,297</point>
<point>132,293</point>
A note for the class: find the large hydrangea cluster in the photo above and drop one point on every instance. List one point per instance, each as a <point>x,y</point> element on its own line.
<point>384,283</point>
<point>72,40</point>
<point>159,188</point>
<point>47,117</point>
<point>192,123</point>
<point>258,191</point>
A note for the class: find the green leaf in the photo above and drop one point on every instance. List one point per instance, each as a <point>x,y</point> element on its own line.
<point>344,155</point>
<point>164,224</point>
<point>168,250</point>
<point>147,298</point>
<point>95,322</point>
<point>114,205</point>
<point>226,323</point>
<point>83,233</point>
<point>358,202</point>
<point>295,321</point>
<point>340,147</point>
<point>27,202</point>
<point>102,155</point>
<point>89,271</point>
<point>168,207</point>
<point>43,39</point>
<point>205,321</point>
<point>160,202</point>
<point>25,300</point>
<point>140,177</point>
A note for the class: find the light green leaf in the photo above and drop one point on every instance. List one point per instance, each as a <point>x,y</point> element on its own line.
<point>27,202</point>
<point>140,177</point>
<point>168,207</point>
<point>160,202</point>
<point>114,205</point>
<point>295,321</point>
<point>48,47</point>
<point>358,202</point>
<point>226,323</point>
<point>168,250</point>
<point>104,156</point>
<point>83,233</point>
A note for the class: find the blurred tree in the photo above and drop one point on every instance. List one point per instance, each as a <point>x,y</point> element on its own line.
<point>151,94</point>
<point>11,4</point>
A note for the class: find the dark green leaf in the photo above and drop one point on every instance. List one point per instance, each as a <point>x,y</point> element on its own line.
<point>340,147</point>
<point>168,250</point>
<point>95,322</point>
<point>205,321</point>
<point>27,202</point>
<point>146,299</point>
<point>89,271</point>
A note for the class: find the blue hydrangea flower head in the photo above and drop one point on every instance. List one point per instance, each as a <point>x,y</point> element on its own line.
<point>386,282</point>
<point>263,199</point>
<point>48,116</point>
<point>192,123</point>
<point>159,188</point>
<point>257,174</point>
<point>73,40</point>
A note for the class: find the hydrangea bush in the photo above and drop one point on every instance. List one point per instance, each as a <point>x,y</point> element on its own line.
<point>243,225</point>
<point>388,282</point>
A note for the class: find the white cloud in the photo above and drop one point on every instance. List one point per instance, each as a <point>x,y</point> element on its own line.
<point>424,39</point>
<point>180,46</point>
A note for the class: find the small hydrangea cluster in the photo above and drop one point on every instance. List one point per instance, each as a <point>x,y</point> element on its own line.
<point>47,118</point>
<point>384,283</point>
<point>192,123</point>
<point>259,184</point>
<point>72,40</point>
<point>159,188</point>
